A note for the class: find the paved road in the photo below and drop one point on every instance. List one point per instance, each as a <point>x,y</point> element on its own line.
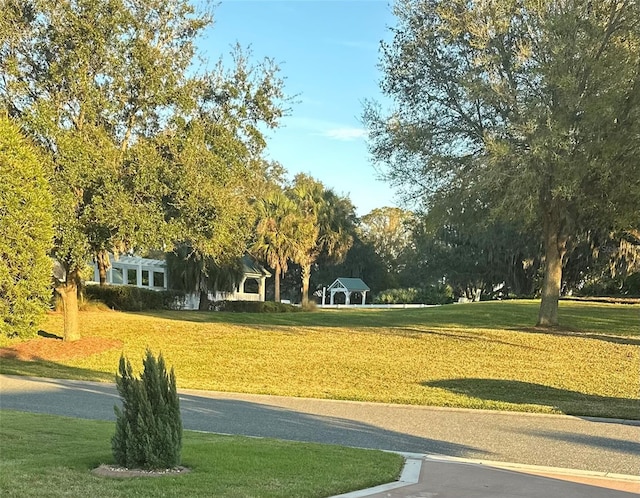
<point>559,441</point>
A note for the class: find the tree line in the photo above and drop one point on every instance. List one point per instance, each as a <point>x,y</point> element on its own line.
<point>513,130</point>
<point>131,142</point>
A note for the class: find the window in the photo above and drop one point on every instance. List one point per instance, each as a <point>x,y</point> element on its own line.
<point>251,286</point>
<point>132,276</point>
<point>116,276</point>
<point>158,279</point>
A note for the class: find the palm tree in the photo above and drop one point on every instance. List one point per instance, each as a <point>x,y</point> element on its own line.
<point>279,232</point>
<point>329,222</point>
<point>191,271</point>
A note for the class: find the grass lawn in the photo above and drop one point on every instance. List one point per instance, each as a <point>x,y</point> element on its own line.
<point>477,355</point>
<point>43,455</point>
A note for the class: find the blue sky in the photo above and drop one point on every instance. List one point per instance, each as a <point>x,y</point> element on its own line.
<point>328,52</point>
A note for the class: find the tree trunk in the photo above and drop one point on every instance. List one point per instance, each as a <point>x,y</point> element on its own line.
<point>102,261</point>
<point>277,282</point>
<point>555,243</point>
<point>69,294</point>
<point>203,305</point>
<point>306,276</point>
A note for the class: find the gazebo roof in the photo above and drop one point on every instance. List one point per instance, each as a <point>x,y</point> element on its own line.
<point>349,284</point>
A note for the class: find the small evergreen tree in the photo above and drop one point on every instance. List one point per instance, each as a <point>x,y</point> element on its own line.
<point>148,427</point>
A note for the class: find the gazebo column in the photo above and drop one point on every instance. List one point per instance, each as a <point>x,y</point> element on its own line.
<point>364,297</point>
<point>261,287</point>
<point>347,297</point>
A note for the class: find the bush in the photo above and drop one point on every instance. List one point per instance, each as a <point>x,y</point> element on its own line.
<point>130,298</point>
<point>254,307</point>
<point>440,294</point>
<point>26,225</point>
<point>148,428</point>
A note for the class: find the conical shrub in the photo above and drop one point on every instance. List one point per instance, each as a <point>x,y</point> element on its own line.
<point>148,427</point>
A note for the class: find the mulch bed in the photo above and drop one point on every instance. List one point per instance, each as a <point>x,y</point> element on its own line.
<point>119,472</point>
<point>54,349</point>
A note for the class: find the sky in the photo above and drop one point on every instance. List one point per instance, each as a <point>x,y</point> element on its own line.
<point>327,51</point>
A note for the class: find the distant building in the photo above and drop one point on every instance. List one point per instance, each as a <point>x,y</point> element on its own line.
<point>348,286</point>
<point>152,274</point>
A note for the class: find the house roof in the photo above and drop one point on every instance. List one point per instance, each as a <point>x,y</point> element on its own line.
<point>350,284</point>
<point>252,268</point>
<point>126,259</point>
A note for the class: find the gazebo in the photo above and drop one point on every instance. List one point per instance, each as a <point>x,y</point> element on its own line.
<point>347,286</point>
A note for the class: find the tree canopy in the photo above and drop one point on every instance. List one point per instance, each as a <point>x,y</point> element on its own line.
<point>146,151</point>
<point>533,103</point>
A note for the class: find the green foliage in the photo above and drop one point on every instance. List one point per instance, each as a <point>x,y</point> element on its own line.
<point>327,229</point>
<point>26,234</point>
<point>530,107</point>
<point>280,233</point>
<point>131,298</point>
<point>255,307</point>
<point>146,152</point>
<point>439,294</point>
<point>148,427</point>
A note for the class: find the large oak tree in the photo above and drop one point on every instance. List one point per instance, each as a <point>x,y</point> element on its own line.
<point>533,102</point>
<point>145,151</point>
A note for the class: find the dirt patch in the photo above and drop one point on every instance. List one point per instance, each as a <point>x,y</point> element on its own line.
<point>119,472</point>
<point>54,349</point>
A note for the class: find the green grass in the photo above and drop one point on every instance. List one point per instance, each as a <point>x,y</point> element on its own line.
<point>52,456</point>
<point>479,355</point>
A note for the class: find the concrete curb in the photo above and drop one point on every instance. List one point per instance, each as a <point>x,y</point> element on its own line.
<point>410,475</point>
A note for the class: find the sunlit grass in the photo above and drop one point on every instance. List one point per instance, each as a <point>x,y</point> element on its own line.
<point>52,456</point>
<point>481,355</point>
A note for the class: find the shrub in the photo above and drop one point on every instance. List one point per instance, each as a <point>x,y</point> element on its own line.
<point>26,225</point>
<point>254,307</point>
<point>131,298</point>
<point>148,428</point>
<point>440,294</point>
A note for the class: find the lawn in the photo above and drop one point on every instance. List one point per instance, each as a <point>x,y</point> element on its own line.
<point>478,355</point>
<point>43,455</point>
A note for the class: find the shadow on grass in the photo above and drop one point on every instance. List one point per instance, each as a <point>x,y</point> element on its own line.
<point>526,393</point>
<point>222,414</point>
<point>38,367</point>
<point>568,332</point>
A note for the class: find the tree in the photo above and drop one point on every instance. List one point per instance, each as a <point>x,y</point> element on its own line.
<point>26,234</point>
<point>536,103</point>
<point>88,79</point>
<point>190,271</point>
<point>145,153</point>
<point>148,427</point>
<point>279,231</point>
<point>388,229</point>
<point>328,223</point>
<point>459,241</point>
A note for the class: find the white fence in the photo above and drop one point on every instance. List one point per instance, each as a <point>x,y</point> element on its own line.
<point>372,306</point>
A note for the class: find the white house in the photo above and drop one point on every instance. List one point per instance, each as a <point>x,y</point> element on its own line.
<point>134,270</point>
<point>152,274</point>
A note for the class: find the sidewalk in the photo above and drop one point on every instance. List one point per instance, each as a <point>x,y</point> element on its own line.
<point>445,477</point>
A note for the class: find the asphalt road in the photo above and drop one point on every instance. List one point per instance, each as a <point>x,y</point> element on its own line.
<point>600,445</point>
